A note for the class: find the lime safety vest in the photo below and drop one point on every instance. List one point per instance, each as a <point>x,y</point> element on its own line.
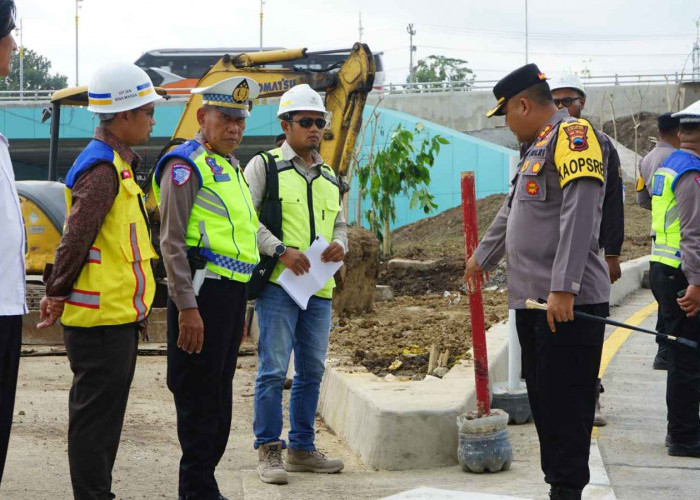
<point>223,223</point>
<point>308,209</point>
<point>664,212</point>
<point>115,285</point>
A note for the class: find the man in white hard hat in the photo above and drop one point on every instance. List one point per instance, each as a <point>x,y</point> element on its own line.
<point>568,92</point>
<point>675,279</point>
<point>298,197</point>
<point>668,142</point>
<point>101,284</point>
<point>209,245</point>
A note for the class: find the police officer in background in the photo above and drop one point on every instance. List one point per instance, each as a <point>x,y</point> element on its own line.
<point>567,91</point>
<point>101,284</point>
<point>208,240</point>
<point>668,142</point>
<point>675,279</point>
<point>548,229</point>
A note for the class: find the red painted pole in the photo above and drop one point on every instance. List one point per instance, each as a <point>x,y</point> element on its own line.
<point>476,303</point>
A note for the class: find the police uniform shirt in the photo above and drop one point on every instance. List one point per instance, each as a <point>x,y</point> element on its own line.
<point>255,176</point>
<point>647,166</point>
<point>687,194</point>
<point>176,205</point>
<point>549,233</point>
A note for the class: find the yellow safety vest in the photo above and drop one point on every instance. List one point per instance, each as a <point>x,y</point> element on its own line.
<point>308,209</point>
<point>223,222</point>
<point>666,247</point>
<point>116,284</point>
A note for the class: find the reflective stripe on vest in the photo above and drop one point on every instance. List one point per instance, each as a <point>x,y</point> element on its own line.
<point>665,220</point>
<point>308,209</point>
<point>115,285</point>
<point>222,221</point>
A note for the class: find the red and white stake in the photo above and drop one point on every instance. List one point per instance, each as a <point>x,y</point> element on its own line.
<point>476,303</point>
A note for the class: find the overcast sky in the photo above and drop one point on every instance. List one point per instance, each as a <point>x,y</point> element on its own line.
<point>605,36</point>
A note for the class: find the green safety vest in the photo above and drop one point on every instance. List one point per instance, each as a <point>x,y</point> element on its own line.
<point>223,223</point>
<point>308,209</point>
<point>665,221</point>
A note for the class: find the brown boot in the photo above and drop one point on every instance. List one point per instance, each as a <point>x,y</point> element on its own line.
<point>311,461</point>
<point>270,466</point>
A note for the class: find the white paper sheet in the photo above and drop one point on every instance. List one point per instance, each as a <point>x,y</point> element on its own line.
<point>301,288</point>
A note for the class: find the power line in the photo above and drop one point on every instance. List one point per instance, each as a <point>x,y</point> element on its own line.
<point>583,54</point>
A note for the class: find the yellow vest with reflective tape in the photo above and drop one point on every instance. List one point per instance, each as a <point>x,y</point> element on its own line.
<point>308,209</point>
<point>665,221</point>
<point>223,221</point>
<point>115,285</point>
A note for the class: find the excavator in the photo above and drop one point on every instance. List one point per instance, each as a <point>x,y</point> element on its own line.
<point>346,86</point>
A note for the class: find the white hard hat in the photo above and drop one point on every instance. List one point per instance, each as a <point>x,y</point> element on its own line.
<point>233,96</point>
<point>118,87</point>
<point>300,98</point>
<point>691,114</point>
<point>567,81</point>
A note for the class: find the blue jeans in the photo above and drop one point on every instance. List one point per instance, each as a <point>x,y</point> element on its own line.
<point>285,326</point>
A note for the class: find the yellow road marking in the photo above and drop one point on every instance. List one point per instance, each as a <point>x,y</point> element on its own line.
<point>620,335</point>
<point>616,339</point>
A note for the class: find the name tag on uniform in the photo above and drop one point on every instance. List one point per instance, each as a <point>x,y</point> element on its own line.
<point>222,177</point>
<point>658,187</point>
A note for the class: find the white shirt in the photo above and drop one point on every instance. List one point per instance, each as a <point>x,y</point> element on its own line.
<point>12,242</point>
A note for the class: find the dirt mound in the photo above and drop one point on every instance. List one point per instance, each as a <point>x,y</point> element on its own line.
<point>357,278</point>
<point>406,327</point>
<point>646,131</point>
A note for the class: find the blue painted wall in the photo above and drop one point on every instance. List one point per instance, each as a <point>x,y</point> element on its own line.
<point>489,161</point>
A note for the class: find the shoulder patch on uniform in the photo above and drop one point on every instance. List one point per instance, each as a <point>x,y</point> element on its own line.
<point>181,173</point>
<point>640,183</point>
<point>578,153</point>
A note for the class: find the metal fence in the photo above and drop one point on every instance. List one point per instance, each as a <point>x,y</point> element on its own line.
<point>588,81</point>
<point>417,87</point>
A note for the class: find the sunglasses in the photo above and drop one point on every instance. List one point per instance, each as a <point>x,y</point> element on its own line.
<point>307,122</point>
<point>689,127</point>
<point>566,102</point>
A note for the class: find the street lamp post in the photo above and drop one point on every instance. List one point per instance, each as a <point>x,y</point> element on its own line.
<point>20,32</point>
<point>77,6</point>
<point>262,2</point>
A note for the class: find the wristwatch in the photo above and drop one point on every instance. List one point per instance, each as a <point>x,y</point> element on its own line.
<point>280,249</point>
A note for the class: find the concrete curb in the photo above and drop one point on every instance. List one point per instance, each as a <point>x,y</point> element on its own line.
<point>631,279</point>
<point>413,425</point>
<point>406,425</point>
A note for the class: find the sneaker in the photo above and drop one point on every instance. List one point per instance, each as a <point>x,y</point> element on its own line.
<point>684,450</point>
<point>661,358</point>
<point>270,466</point>
<point>311,461</point>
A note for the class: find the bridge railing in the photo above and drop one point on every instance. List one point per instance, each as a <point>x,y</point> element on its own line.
<point>588,81</point>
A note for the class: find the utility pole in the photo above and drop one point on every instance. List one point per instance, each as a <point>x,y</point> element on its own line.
<point>77,6</point>
<point>526,36</point>
<point>20,32</point>
<point>360,29</point>
<point>696,52</point>
<point>262,2</point>
<point>411,50</point>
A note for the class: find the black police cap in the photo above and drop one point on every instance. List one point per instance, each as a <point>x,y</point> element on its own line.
<point>666,121</point>
<point>514,83</point>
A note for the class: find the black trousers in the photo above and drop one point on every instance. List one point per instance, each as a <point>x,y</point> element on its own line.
<point>561,371</point>
<point>683,377</point>
<point>103,360</point>
<point>10,347</point>
<point>202,384</point>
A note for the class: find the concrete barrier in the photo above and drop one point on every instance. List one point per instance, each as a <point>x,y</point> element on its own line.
<point>406,425</point>
<point>631,279</point>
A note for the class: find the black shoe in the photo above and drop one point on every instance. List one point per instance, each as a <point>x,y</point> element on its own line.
<point>661,358</point>
<point>684,450</point>
<point>561,493</point>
